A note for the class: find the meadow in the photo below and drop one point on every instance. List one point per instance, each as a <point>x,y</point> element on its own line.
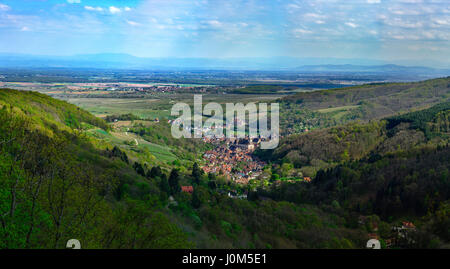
<point>160,108</point>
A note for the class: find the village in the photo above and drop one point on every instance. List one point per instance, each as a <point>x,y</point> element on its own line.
<point>233,158</point>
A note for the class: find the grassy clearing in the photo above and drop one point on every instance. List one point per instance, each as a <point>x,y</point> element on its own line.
<point>160,152</point>
<point>126,141</point>
<point>337,113</point>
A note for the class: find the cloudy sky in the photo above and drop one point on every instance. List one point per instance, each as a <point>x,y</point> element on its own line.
<point>376,29</point>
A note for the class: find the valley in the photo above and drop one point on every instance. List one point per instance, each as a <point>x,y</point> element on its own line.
<point>346,166</point>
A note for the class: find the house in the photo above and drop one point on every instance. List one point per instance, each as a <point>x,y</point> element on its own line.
<point>373,236</point>
<point>390,242</point>
<point>408,225</point>
<point>404,230</point>
<point>234,195</point>
<point>251,147</point>
<point>188,189</point>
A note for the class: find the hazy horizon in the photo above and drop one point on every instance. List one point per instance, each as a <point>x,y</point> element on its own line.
<point>128,61</point>
<point>399,31</point>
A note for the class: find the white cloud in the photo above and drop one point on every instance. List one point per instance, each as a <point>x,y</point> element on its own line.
<point>351,24</point>
<point>93,8</point>
<point>406,37</point>
<point>406,11</point>
<point>213,23</point>
<point>442,21</point>
<point>25,29</point>
<point>429,35</point>
<point>411,1</point>
<point>73,1</point>
<point>290,6</point>
<point>114,10</point>
<point>301,32</point>
<point>133,23</point>
<point>373,1</point>
<point>397,22</point>
<point>314,15</point>
<point>4,7</point>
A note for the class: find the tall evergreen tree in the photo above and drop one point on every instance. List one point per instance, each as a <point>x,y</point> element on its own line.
<point>154,172</point>
<point>164,184</point>
<point>139,169</point>
<point>174,181</point>
<point>196,173</point>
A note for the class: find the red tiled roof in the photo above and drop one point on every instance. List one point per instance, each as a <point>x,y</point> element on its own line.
<point>188,189</point>
<point>408,224</point>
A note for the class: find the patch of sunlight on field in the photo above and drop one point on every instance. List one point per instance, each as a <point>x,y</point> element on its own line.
<point>162,153</point>
<point>101,107</point>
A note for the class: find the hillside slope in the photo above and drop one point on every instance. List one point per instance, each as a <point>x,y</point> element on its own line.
<point>318,109</point>
<point>48,112</point>
<point>55,185</point>
<point>354,141</point>
<point>393,170</point>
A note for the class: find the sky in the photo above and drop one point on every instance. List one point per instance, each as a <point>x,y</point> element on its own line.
<point>415,30</point>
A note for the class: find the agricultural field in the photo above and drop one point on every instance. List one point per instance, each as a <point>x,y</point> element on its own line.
<point>159,108</point>
<point>102,107</point>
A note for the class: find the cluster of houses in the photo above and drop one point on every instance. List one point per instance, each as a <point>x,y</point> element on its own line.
<point>150,88</point>
<point>208,133</point>
<point>233,158</point>
<point>400,233</point>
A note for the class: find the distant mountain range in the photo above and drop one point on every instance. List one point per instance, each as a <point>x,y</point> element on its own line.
<point>126,61</point>
<point>371,68</point>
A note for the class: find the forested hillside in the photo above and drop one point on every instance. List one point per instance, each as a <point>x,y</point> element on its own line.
<point>55,185</point>
<point>57,182</point>
<point>394,169</point>
<point>407,186</point>
<point>48,113</point>
<point>320,148</point>
<point>319,109</point>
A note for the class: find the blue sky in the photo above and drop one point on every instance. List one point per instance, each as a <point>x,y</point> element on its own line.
<point>417,30</point>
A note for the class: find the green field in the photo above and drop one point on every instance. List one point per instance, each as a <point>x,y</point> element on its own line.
<point>127,140</point>
<point>144,108</point>
<point>159,108</point>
